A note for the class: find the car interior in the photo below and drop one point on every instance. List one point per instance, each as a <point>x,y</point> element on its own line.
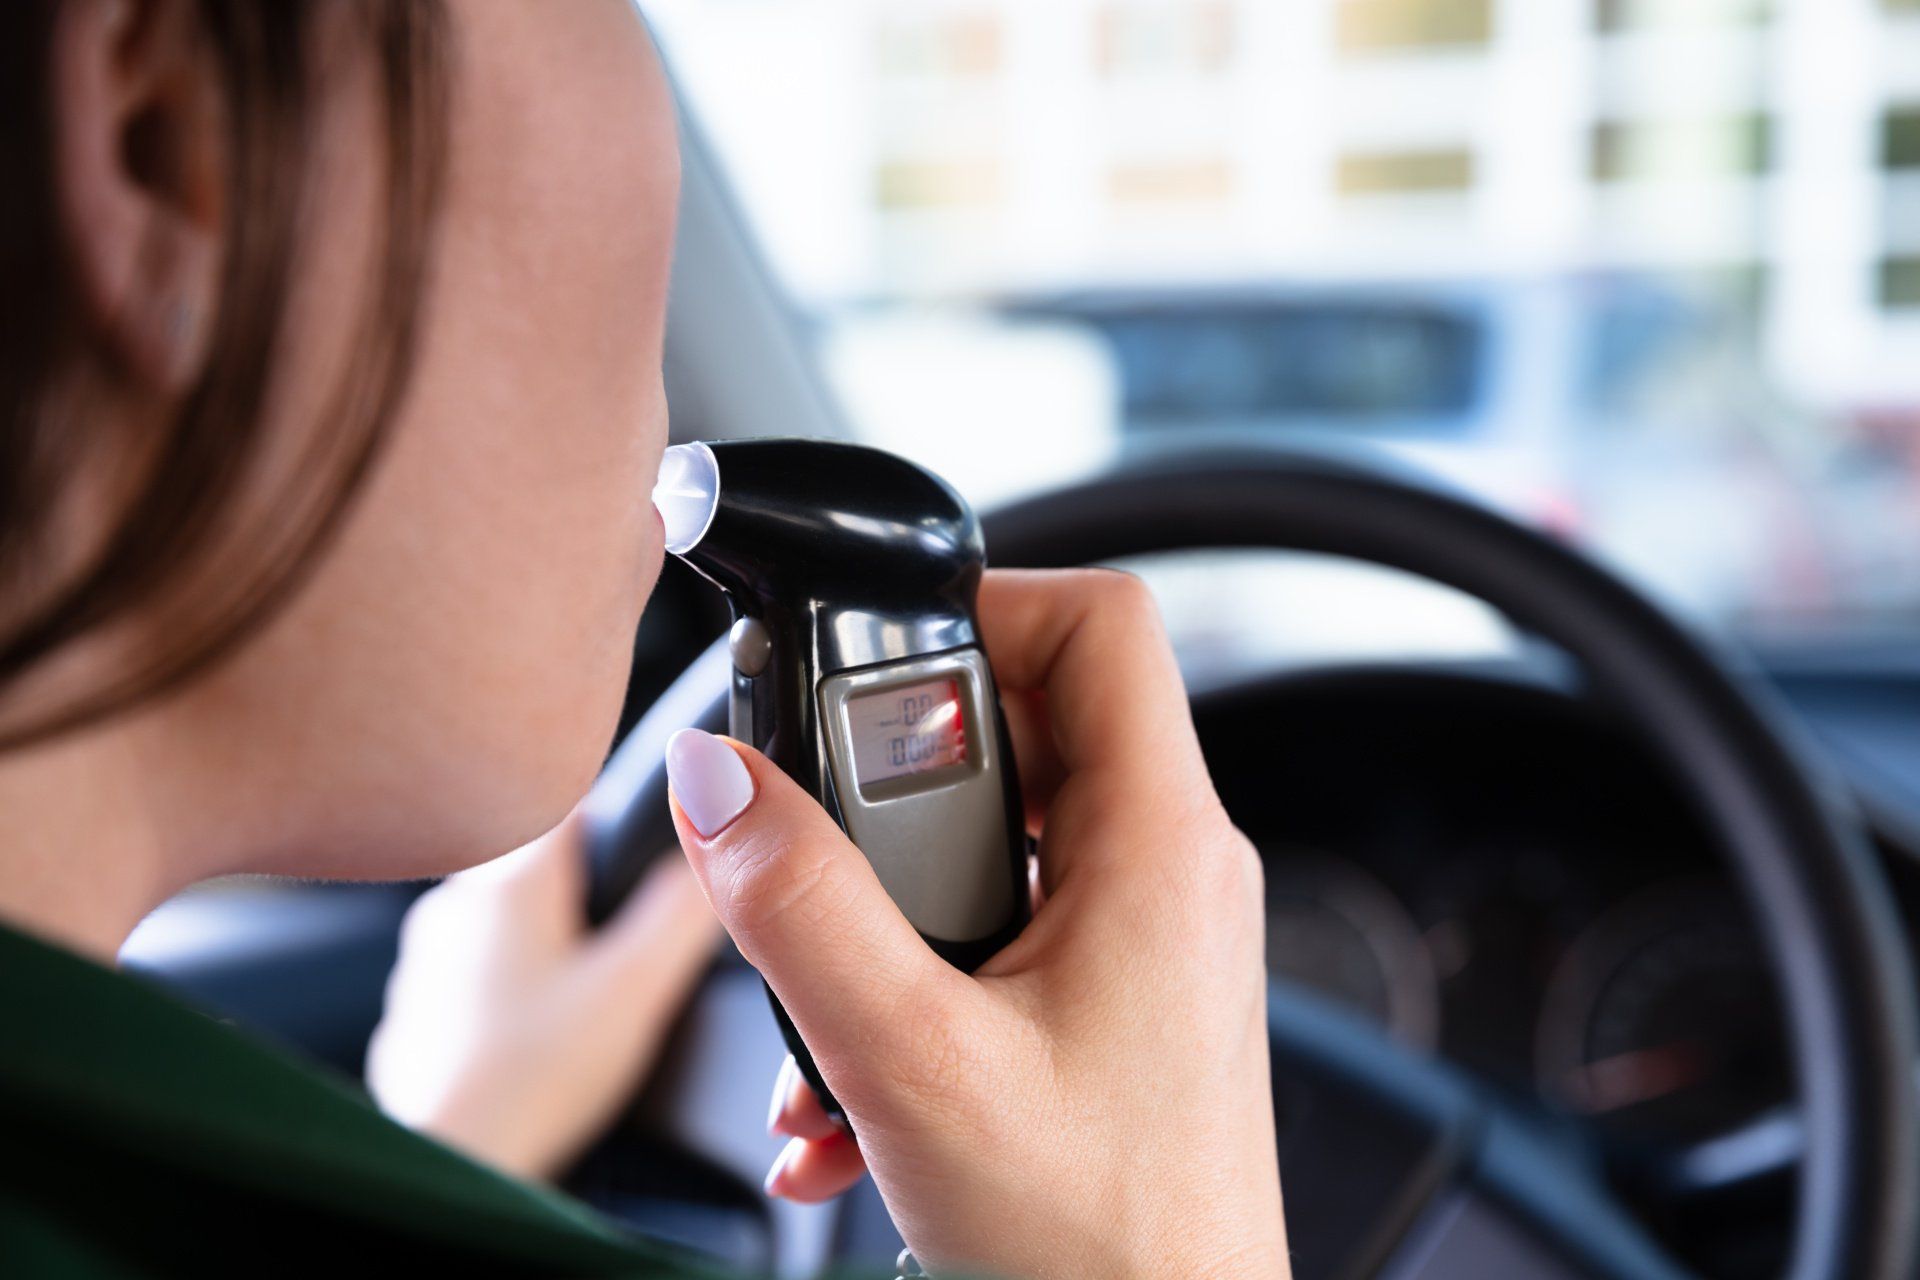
<point>1591,949</point>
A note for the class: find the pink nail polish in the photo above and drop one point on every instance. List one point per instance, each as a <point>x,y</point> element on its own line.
<point>776,1176</point>
<point>708,779</point>
<point>782,1086</point>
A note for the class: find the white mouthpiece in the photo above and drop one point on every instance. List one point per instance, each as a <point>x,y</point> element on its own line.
<point>687,494</point>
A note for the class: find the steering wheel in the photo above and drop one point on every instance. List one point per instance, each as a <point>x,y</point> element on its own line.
<point>1397,1161</point>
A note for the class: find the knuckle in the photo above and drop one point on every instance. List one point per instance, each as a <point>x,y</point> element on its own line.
<point>1251,870</point>
<point>771,882</point>
<point>1253,873</point>
<point>429,916</point>
<point>1125,594</point>
<point>758,879</point>
<point>1224,878</point>
<point>1242,886</point>
<point>1241,873</point>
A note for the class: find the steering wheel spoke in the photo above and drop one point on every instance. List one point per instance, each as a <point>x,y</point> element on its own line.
<point>1396,1164</point>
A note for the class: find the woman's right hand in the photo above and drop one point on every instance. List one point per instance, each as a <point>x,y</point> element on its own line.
<point>1095,1101</point>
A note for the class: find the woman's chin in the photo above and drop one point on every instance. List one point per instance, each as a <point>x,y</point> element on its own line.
<point>456,814</point>
<point>429,846</point>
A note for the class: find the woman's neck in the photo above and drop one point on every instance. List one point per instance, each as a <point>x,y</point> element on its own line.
<point>80,863</point>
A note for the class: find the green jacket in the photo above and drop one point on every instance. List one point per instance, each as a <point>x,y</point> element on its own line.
<point>139,1137</point>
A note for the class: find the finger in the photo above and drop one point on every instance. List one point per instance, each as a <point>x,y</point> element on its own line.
<point>1092,641</point>
<point>796,1110</point>
<point>663,936</point>
<point>812,1171</point>
<point>552,864</point>
<point>1031,731</point>
<point>530,897</point>
<point>800,900</point>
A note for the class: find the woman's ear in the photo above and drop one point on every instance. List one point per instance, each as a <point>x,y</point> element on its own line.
<point>139,149</point>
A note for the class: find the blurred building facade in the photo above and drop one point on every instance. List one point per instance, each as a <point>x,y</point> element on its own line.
<point>915,148</point>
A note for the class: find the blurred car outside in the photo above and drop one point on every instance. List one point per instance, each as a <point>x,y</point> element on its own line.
<point>1622,414</point>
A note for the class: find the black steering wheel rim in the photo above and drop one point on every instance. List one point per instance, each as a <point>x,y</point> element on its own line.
<point>1819,901</point>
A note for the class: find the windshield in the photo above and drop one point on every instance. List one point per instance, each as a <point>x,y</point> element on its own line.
<point>1644,273</point>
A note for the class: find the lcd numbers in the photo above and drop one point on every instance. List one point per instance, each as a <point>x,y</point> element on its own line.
<point>908,729</point>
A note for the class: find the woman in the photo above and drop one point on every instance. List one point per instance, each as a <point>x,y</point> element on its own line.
<point>331,390</point>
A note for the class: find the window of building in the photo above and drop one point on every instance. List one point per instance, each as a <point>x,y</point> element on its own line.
<point>910,185</point>
<point>1628,150</point>
<point>946,45</point>
<point>1900,282</point>
<point>1405,172</point>
<point>1370,26</point>
<point>1200,181</point>
<point>1638,15</point>
<point>1900,139</point>
<point>1139,36</point>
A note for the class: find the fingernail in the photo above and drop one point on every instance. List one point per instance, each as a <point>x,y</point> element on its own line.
<point>709,780</point>
<point>782,1086</point>
<point>776,1176</point>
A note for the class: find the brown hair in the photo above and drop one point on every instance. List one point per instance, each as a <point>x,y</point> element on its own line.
<point>183,514</point>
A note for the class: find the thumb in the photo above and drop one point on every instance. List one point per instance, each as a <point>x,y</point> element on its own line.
<point>800,900</point>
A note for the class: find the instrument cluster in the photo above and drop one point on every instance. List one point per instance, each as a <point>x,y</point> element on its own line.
<point>1495,874</point>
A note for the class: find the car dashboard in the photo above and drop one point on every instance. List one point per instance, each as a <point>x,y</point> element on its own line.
<point>1484,863</point>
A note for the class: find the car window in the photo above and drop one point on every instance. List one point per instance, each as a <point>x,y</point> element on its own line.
<point>1645,273</point>
<point>1202,360</point>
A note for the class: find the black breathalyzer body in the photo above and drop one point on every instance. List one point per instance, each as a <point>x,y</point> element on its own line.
<point>857,669</point>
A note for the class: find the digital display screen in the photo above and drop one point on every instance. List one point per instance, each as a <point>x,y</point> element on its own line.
<point>908,729</point>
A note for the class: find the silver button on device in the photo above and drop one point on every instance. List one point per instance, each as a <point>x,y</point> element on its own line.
<point>750,646</point>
